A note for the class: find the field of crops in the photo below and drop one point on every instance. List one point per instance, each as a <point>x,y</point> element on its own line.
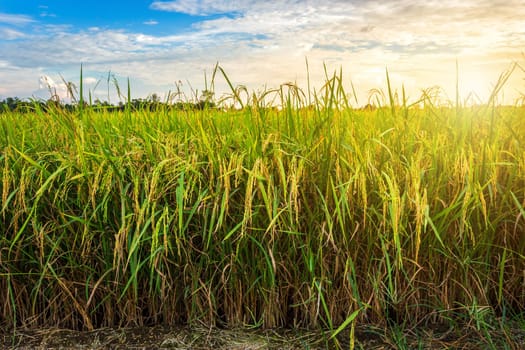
<point>314,215</point>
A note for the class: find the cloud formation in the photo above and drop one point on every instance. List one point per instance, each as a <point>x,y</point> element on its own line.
<point>6,18</point>
<point>50,89</point>
<point>266,42</point>
<point>201,7</point>
<point>11,34</point>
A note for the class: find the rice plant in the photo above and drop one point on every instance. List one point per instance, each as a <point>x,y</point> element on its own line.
<point>314,214</point>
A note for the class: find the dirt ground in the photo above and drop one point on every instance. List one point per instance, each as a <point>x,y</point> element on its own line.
<point>219,339</point>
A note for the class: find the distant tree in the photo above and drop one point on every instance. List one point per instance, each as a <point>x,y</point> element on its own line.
<point>14,103</point>
<point>154,98</point>
<point>151,103</point>
<point>205,100</point>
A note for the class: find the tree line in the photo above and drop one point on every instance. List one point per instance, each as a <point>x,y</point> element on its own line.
<point>15,104</point>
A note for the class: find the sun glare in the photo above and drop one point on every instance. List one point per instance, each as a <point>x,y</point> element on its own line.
<point>475,87</point>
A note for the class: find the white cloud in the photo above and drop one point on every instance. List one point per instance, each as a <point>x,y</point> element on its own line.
<point>47,14</point>
<point>46,84</point>
<point>10,34</point>
<point>90,80</point>
<point>201,7</point>
<point>150,22</point>
<point>15,19</point>
<point>64,89</point>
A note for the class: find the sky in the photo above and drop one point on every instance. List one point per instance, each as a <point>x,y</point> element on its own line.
<point>162,46</point>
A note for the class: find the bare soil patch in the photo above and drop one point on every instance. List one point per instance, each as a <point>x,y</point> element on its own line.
<point>436,337</point>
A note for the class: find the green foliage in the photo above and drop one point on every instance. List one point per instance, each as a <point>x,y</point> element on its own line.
<point>309,215</point>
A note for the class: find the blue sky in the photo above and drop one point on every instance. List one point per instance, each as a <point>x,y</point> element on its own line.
<point>160,45</point>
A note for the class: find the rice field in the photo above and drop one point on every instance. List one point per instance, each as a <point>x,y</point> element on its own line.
<point>313,215</point>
